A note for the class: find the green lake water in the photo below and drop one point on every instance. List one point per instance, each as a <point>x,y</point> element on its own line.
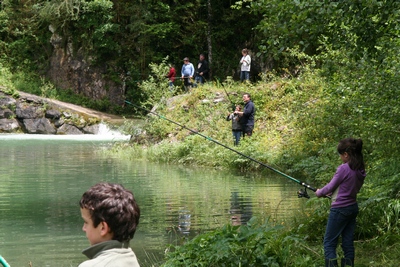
<point>43,177</point>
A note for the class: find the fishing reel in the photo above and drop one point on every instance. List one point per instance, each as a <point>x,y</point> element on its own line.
<point>303,193</point>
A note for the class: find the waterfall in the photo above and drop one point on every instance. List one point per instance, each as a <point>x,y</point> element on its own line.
<point>104,133</point>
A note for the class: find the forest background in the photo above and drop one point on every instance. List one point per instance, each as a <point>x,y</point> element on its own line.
<point>322,71</point>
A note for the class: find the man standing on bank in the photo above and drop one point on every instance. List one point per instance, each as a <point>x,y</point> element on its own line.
<point>247,115</point>
<point>202,70</point>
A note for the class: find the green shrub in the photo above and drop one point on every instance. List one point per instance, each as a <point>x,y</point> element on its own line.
<point>299,122</point>
<point>48,89</point>
<point>5,81</point>
<point>254,244</point>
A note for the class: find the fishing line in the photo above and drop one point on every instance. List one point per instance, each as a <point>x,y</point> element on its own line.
<point>300,193</point>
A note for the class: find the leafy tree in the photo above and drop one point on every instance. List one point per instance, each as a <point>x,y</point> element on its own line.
<point>22,38</point>
<point>356,26</point>
<point>87,23</point>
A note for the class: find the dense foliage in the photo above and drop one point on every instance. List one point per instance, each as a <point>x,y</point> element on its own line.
<point>128,35</point>
<point>298,124</point>
<point>246,245</point>
<point>328,70</point>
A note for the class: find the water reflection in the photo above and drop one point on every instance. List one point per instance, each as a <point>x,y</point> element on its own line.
<point>43,180</point>
<point>241,209</point>
<point>184,221</point>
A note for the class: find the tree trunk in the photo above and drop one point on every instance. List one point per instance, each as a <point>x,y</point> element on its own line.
<point>209,41</point>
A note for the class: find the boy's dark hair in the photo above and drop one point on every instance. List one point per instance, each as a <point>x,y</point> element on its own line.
<point>353,147</point>
<point>115,205</point>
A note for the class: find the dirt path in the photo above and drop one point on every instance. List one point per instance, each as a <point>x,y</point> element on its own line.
<point>114,119</point>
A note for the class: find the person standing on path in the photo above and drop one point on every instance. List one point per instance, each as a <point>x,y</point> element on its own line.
<point>171,76</point>
<point>247,115</point>
<point>343,189</point>
<point>202,70</point>
<point>187,73</point>
<point>245,63</point>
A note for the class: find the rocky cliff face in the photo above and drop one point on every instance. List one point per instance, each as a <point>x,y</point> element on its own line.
<point>33,115</point>
<point>72,70</point>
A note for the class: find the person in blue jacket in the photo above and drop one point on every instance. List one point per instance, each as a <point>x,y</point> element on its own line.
<point>187,73</point>
<point>247,115</point>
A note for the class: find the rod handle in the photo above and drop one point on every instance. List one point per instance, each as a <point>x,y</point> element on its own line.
<point>309,187</point>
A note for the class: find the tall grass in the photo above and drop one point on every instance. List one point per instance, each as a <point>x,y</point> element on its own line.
<point>299,121</point>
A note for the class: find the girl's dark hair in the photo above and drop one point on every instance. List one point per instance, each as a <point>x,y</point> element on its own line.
<point>113,204</point>
<point>353,147</point>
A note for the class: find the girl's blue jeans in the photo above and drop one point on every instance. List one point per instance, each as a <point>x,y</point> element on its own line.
<point>236,136</point>
<point>341,221</point>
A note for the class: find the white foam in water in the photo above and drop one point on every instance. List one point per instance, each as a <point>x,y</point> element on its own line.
<point>105,131</point>
<point>104,134</point>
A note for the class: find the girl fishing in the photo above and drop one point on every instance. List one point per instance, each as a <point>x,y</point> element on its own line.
<point>343,188</point>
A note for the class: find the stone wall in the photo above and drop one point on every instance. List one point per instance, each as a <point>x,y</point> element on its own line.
<point>34,115</point>
<point>73,70</point>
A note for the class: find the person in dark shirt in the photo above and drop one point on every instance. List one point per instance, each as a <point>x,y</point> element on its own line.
<point>236,125</point>
<point>202,72</point>
<point>247,115</point>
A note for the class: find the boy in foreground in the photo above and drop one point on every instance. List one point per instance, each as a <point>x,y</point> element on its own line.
<point>110,216</point>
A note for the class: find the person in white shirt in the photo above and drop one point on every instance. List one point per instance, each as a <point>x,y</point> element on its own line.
<point>245,66</point>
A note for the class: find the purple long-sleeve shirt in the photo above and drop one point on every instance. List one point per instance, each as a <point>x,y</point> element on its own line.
<point>344,186</point>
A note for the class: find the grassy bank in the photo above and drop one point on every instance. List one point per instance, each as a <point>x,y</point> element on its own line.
<point>299,122</point>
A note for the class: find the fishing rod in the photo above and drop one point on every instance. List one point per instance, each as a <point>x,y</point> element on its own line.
<point>3,262</point>
<point>301,193</point>
<point>233,106</point>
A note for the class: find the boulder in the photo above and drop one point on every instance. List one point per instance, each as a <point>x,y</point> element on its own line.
<point>37,115</point>
<point>6,113</point>
<point>53,114</point>
<point>27,111</point>
<point>6,101</point>
<point>91,129</point>
<point>39,126</point>
<point>59,122</point>
<point>9,125</point>
<point>68,129</point>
